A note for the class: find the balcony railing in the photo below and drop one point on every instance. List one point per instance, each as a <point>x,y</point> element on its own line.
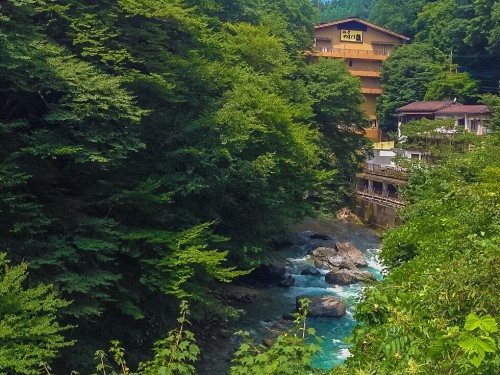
<point>386,201</point>
<point>352,51</point>
<point>387,171</point>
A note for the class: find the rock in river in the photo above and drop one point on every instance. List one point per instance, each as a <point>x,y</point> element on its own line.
<point>310,271</point>
<point>265,275</point>
<point>343,256</point>
<point>351,253</point>
<point>324,306</point>
<point>347,277</point>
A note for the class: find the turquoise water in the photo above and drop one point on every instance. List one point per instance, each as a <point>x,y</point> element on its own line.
<point>266,311</point>
<point>273,302</point>
<point>332,331</point>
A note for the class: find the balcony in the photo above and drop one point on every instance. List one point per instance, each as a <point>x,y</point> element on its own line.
<point>386,171</point>
<point>367,90</point>
<point>383,200</point>
<point>364,73</point>
<point>346,53</point>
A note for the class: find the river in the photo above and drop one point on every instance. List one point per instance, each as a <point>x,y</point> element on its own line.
<point>271,303</point>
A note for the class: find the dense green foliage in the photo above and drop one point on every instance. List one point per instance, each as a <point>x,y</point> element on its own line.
<point>151,148</point>
<point>333,10</point>
<point>419,71</point>
<point>458,38</point>
<point>443,264</point>
<point>29,332</point>
<point>436,139</point>
<point>291,353</point>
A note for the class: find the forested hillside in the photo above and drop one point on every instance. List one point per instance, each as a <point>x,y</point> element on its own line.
<point>339,9</point>
<point>153,149</point>
<point>150,149</point>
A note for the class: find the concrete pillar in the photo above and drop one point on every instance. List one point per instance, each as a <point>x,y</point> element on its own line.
<point>370,187</point>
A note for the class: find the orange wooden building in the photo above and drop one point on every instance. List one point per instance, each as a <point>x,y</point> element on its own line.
<point>363,46</point>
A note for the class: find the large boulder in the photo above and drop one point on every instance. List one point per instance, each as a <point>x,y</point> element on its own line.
<point>351,253</point>
<point>343,255</point>
<point>328,258</point>
<point>323,306</point>
<point>347,277</point>
<point>265,275</point>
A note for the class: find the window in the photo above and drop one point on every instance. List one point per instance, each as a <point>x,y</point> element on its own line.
<point>415,156</point>
<point>461,122</point>
<point>473,125</point>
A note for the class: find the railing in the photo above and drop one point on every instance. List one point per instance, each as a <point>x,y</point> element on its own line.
<point>353,51</point>
<point>388,171</point>
<point>385,201</point>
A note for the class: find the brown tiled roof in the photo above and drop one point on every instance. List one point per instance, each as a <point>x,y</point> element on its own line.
<point>426,106</point>
<point>467,109</point>
<point>327,24</point>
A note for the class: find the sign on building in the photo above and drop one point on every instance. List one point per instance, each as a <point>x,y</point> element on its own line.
<point>351,36</point>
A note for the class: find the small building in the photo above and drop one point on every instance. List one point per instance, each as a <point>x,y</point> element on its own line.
<point>420,110</point>
<point>473,118</point>
<point>363,46</point>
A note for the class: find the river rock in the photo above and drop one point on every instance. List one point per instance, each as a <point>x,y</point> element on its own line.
<point>310,271</point>
<point>319,236</point>
<point>323,306</point>
<point>351,253</point>
<point>343,256</point>
<point>235,293</point>
<point>265,275</point>
<point>328,258</point>
<point>288,282</point>
<point>347,277</point>
<point>268,343</point>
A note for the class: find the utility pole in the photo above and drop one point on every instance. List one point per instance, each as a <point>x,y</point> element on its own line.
<point>451,59</point>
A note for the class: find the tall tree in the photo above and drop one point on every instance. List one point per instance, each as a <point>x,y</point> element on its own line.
<point>419,71</point>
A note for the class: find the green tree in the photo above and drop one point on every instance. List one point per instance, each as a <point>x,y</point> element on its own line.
<point>442,267</point>
<point>29,331</point>
<point>337,100</point>
<point>291,353</point>
<point>339,9</point>
<point>396,15</point>
<point>415,72</point>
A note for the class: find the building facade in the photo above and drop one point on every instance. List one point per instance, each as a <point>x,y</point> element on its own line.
<point>363,46</point>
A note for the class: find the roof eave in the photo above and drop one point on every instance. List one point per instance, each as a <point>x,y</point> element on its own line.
<point>327,24</point>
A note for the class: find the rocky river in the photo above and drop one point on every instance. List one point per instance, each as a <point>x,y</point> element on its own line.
<point>269,304</point>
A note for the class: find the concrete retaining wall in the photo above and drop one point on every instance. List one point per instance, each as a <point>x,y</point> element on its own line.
<point>376,214</point>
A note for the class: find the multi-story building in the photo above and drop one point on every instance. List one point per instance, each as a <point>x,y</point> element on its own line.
<point>363,46</point>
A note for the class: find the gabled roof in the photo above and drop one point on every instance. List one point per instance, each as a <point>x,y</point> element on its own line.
<point>464,109</point>
<point>426,106</point>
<point>328,24</point>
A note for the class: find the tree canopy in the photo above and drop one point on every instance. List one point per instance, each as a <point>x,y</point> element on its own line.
<point>151,149</point>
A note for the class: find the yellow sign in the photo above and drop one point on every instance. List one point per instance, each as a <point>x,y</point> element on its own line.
<point>351,36</point>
